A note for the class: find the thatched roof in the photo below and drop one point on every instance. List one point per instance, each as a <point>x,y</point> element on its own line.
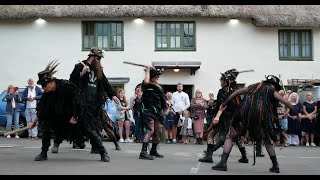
<point>268,15</point>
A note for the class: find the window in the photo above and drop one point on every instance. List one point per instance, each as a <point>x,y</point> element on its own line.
<point>175,36</point>
<point>295,45</point>
<point>104,35</point>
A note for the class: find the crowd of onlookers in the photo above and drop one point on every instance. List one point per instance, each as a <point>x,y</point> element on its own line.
<point>30,96</point>
<point>299,132</point>
<point>183,118</point>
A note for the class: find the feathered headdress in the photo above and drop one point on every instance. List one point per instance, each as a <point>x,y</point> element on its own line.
<point>46,75</point>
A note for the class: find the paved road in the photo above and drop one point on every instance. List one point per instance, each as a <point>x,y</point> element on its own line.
<point>16,157</point>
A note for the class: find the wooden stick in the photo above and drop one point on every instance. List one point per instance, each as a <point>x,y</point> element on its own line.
<point>135,64</point>
<point>251,70</point>
<point>83,64</point>
<point>16,131</point>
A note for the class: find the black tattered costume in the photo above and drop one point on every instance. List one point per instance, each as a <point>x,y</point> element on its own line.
<point>55,110</point>
<point>94,92</point>
<point>226,118</point>
<point>153,103</point>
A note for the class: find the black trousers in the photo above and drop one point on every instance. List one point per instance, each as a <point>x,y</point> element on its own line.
<point>92,125</point>
<point>46,138</point>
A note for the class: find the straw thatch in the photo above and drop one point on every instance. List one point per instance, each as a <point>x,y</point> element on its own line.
<point>267,15</point>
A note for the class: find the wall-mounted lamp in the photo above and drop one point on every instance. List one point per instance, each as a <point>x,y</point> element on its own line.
<point>234,21</point>
<point>176,70</point>
<point>139,20</point>
<point>40,21</point>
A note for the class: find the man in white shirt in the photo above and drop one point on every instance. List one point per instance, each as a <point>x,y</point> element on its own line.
<point>181,102</point>
<point>31,95</point>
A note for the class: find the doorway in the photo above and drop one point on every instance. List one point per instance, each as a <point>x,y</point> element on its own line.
<point>173,88</point>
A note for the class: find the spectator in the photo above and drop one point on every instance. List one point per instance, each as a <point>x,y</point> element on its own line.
<point>136,108</point>
<point>198,106</point>
<point>31,96</point>
<point>309,124</point>
<point>186,129</point>
<point>282,118</point>
<point>12,109</point>
<point>169,118</point>
<point>124,117</point>
<point>181,102</point>
<point>294,125</point>
<point>212,109</point>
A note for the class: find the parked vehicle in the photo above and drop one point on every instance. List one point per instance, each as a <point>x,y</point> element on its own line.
<point>3,118</point>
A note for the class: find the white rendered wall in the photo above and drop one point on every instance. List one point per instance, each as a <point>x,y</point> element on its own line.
<point>26,48</point>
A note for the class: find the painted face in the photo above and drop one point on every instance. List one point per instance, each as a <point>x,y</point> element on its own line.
<point>49,87</point>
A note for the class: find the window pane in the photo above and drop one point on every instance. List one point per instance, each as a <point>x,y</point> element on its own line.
<point>119,29</point>
<point>158,41</point>
<point>164,29</point>
<point>178,41</point>
<point>285,51</point>
<point>303,37</point>
<point>308,38</point>
<point>86,41</point>
<point>113,28</point>
<point>114,41</point>
<point>164,42</point>
<point>173,42</point>
<point>105,42</point>
<point>294,50</point>
<point>91,29</point>
<point>100,41</point>
<point>281,50</point>
<point>105,29</point>
<point>158,28</point>
<point>185,30</point>
<point>88,34</point>
<point>191,29</point>
<point>178,29</point>
<point>99,26</point>
<point>191,44</point>
<point>172,29</point>
<point>281,37</point>
<point>306,51</point>
<point>119,41</point>
<point>91,38</point>
<point>285,35</point>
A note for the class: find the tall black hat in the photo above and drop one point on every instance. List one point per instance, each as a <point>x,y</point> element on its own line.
<point>155,72</point>
<point>230,75</point>
<point>46,75</point>
<point>273,80</point>
<point>96,52</point>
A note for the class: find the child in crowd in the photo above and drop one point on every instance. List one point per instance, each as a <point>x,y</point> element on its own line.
<point>186,129</point>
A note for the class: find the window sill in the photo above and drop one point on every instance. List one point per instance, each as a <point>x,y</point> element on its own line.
<point>295,59</point>
<point>106,49</point>
<point>175,50</point>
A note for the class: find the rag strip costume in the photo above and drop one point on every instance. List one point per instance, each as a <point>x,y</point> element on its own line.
<point>226,117</point>
<point>55,110</point>
<point>257,115</point>
<point>153,102</point>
